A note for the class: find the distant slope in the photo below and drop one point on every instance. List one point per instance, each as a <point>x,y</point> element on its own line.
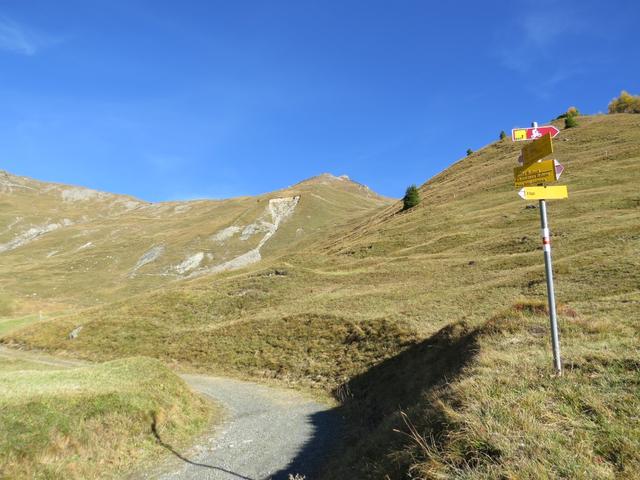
<point>470,249</point>
<point>75,245</point>
<point>438,311</point>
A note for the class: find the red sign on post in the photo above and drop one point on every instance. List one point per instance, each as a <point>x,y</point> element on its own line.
<point>520,134</point>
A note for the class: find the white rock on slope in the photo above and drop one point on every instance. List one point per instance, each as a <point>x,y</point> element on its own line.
<point>181,208</point>
<point>86,245</point>
<point>252,256</point>
<point>32,234</point>
<point>260,226</point>
<point>191,263</point>
<point>79,194</point>
<point>149,256</point>
<point>225,234</point>
<point>8,182</point>
<point>278,209</point>
<point>126,204</point>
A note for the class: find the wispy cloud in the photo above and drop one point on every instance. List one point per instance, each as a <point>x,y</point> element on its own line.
<point>542,29</point>
<point>20,39</point>
<point>535,34</point>
<point>529,44</point>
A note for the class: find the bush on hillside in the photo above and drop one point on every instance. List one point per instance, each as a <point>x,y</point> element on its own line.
<point>570,121</point>
<point>469,151</point>
<point>625,103</point>
<point>411,197</point>
<point>503,135</point>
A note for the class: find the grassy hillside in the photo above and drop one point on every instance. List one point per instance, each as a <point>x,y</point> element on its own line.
<point>486,404</point>
<point>438,311</point>
<point>91,422</point>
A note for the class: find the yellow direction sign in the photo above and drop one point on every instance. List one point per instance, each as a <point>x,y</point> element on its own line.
<point>557,192</point>
<point>535,174</point>
<point>536,150</point>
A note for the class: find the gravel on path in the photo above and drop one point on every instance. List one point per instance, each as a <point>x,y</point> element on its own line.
<point>269,433</point>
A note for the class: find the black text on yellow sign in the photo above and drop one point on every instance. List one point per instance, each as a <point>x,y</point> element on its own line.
<point>535,174</point>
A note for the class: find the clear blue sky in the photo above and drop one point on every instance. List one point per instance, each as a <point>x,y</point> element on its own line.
<point>169,100</point>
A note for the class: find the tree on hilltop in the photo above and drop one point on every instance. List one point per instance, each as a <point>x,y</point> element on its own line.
<point>411,198</point>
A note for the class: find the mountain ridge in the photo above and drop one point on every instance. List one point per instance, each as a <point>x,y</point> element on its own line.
<point>81,233</point>
<point>75,192</point>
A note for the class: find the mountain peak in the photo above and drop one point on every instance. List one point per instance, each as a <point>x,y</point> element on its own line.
<point>326,177</point>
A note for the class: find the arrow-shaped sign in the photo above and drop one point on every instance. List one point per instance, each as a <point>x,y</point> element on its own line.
<point>556,192</point>
<point>534,151</point>
<point>537,173</point>
<point>521,134</point>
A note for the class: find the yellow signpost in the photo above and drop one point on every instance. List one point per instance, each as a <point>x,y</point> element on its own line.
<point>557,192</point>
<point>535,174</point>
<point>532,172</point>
<point>536,150</point>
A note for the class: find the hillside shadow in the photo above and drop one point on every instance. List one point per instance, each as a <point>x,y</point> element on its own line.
<point>400,382</point>
<point>309,460</point>
<point>372,401</point>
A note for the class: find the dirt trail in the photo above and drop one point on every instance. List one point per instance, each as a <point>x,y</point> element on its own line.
<point>268,432</point>
<point>38,357</point>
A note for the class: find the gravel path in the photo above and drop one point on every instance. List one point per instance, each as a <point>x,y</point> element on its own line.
<point>268,432</point>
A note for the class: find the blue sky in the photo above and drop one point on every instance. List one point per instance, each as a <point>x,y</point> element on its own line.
<point>179,100</point>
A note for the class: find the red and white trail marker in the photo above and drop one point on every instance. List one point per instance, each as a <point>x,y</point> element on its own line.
<point>559,168</point>
<point>521,134</point>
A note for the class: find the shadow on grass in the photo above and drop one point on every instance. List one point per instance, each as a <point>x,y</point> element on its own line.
<point>370,410</point>
<point>154,429</point>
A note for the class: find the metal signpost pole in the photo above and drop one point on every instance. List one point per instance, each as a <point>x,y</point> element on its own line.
<point>553,318</point>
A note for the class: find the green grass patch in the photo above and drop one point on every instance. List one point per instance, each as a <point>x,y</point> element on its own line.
<point>92,422</point>
<point>9,324</point>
